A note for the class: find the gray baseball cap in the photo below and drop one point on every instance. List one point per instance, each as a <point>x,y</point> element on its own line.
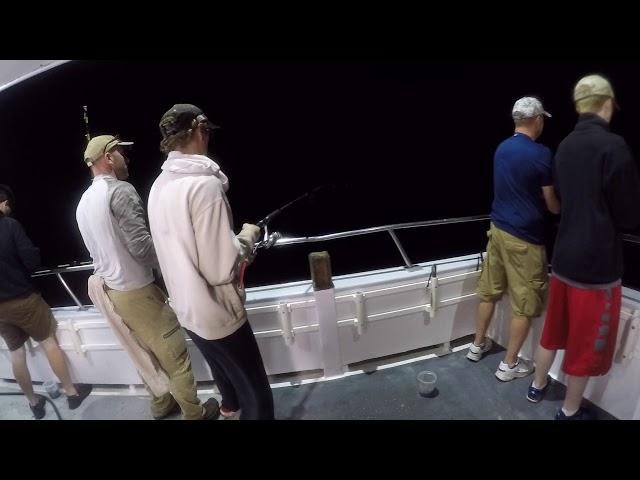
<point>528,107</point>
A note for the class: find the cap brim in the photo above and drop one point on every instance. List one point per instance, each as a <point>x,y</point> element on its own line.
<point>546,114</point>
<point>212,126</point>
<point>124,144</point>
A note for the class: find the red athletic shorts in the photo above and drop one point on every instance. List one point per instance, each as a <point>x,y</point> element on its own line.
<point>584,322</point>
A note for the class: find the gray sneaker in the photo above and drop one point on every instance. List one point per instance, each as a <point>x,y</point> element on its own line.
<point>505,373</point>
<point>475,352</point>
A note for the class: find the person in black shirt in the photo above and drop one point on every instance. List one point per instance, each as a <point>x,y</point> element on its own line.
<point>598,185</point>
<point>24,313</point>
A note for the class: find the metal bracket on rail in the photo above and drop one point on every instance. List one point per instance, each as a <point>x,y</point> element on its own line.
<point>75,338</point>
<point>631,339</point>
<point>432,285</point>
<point>284,309</point>
<point>361,312</point>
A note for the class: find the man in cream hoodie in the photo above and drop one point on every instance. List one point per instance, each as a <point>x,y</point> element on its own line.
<point>199,255</point>
<point>111,220</point>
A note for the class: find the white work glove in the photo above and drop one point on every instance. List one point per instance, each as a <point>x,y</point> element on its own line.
<point>248,238</point>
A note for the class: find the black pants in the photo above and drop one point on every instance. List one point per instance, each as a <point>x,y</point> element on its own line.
<point>238,370</point>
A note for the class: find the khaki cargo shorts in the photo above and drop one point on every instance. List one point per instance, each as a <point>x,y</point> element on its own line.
<point>516,265</point>
<point>24,317</point>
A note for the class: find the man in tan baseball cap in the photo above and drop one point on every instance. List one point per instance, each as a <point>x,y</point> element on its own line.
<point>592,85</point>
<point>598,182</point>
<point>110,147</point>
<point>112,223</point>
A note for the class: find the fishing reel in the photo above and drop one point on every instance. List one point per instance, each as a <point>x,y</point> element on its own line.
<point>268,241</point>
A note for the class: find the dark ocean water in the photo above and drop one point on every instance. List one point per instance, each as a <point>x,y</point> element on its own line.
<point>402,142</point>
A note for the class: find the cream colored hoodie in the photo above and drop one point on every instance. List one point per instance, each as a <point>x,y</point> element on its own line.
<point>192,230</point>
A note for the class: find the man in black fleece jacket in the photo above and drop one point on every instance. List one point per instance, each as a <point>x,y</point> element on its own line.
<point>24,313</point>
<point>597,182</point>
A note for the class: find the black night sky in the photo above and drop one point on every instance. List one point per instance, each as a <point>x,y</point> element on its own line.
<point>403,141</point>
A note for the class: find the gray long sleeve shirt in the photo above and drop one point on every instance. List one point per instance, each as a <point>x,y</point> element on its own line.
<point>127,210</point>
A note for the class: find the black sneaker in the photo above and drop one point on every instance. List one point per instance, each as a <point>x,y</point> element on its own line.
<point>581,414</point>
<point>38,409</point>
<point>536,394</point>
<point>83,390</point>
<point>211,409</point>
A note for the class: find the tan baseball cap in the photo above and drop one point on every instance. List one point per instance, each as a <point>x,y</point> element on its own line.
<point>100,145</point>
<point>592,85</point>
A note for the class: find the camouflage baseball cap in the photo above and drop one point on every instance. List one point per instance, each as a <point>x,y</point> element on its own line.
<point>592,85</point>
<point>183,116</point>
<point>100,145</point>
<point>528,107</point>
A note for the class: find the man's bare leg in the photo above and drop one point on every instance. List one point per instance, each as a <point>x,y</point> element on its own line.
<point>518,334</point>
<point>544,359</point>
<point>22,375</point>
<point>575,391</point>
<point>485,314</point>
<point>59,364</point>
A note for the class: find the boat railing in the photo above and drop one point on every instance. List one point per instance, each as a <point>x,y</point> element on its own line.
<point>390,229</point>
<point>280,241</point>
<point>59,270</point>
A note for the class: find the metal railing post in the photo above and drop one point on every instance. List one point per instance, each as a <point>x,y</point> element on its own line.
<point>70,292</point>
<point>405,257</point>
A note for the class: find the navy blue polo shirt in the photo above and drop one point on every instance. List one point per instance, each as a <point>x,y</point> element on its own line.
<point>521,167</point>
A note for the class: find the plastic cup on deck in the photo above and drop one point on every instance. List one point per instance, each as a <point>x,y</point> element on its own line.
<point>426,383</point>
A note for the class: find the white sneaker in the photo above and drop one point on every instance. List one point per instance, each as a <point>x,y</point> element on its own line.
<point>519,370</point>
<point>475,352</point>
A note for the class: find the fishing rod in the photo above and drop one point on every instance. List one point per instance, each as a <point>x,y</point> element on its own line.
<point>263,223</point>
<point>269,240</point>
<point>86,123</point>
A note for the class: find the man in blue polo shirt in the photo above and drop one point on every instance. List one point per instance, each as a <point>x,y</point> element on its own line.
<point>516,259</point>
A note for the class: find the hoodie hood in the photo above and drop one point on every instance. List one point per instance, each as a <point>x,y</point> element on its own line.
<point>182,163</point>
